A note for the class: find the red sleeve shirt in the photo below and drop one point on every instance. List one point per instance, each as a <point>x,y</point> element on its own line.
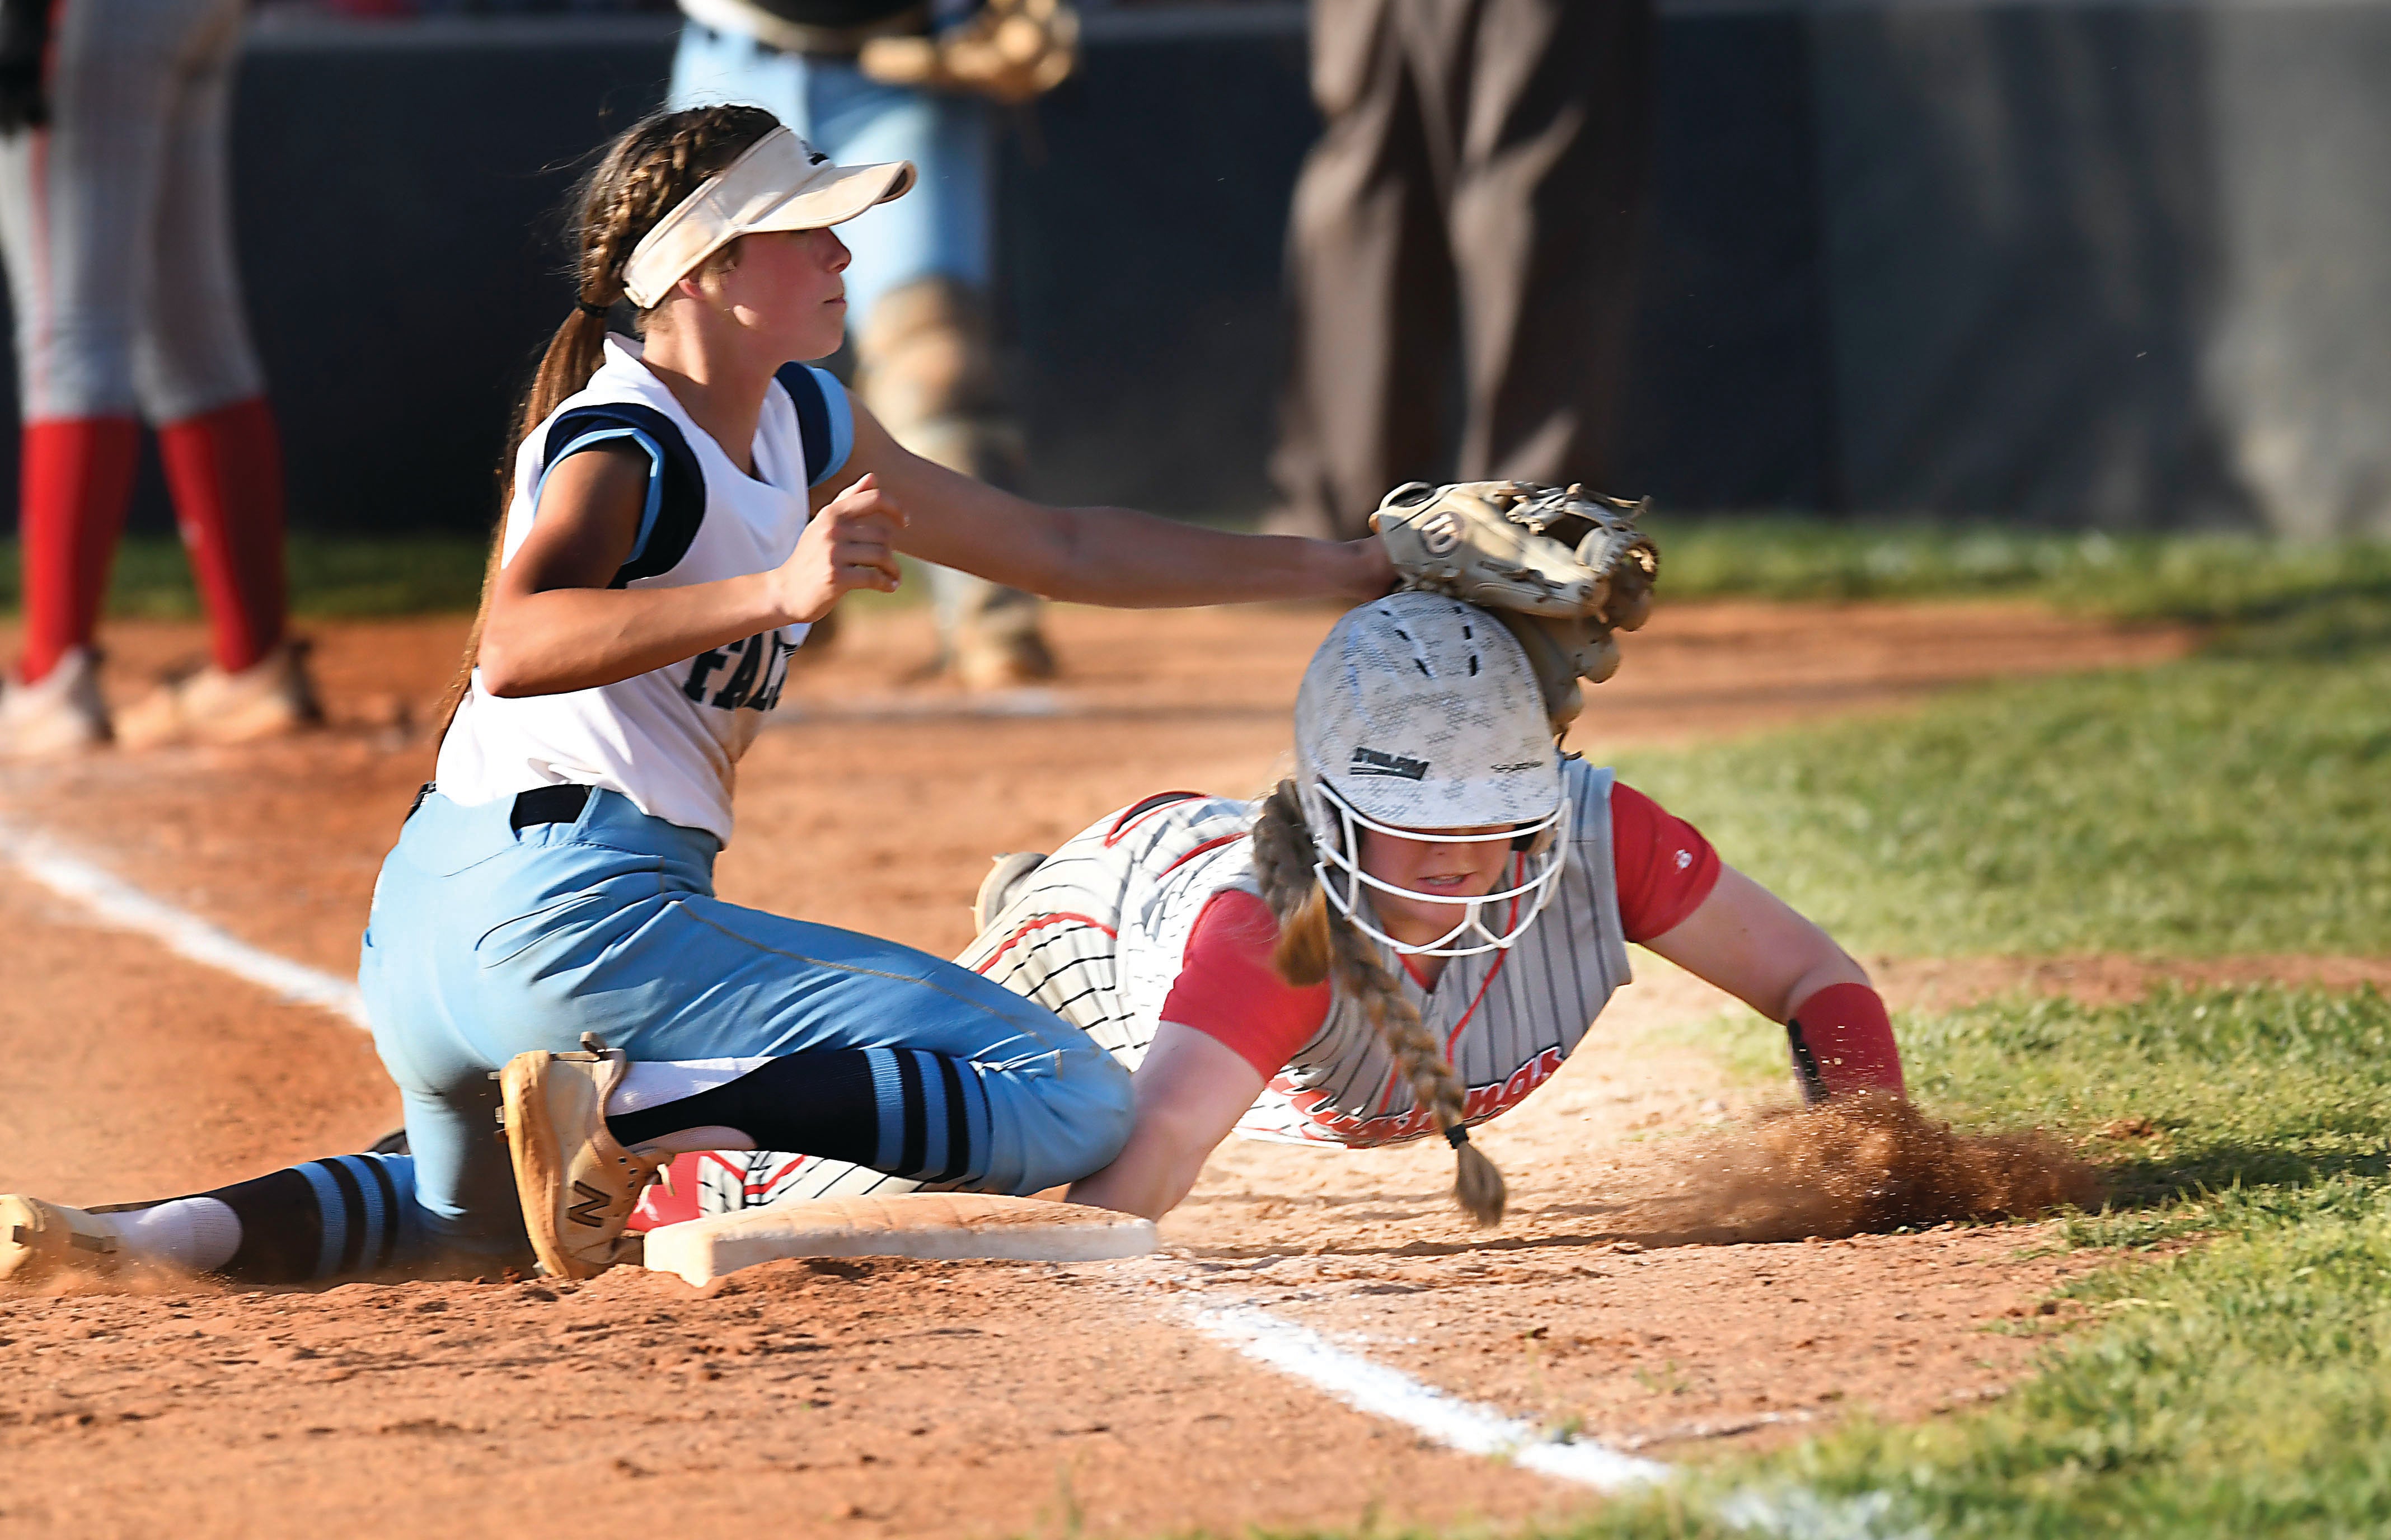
<point>1666,867</point>
<point>1228,989</point>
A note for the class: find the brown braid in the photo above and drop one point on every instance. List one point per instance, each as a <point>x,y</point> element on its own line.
<point>649,169</point>
<point>1314,941</point>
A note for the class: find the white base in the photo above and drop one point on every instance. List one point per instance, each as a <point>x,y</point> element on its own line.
<point>933,1226</point>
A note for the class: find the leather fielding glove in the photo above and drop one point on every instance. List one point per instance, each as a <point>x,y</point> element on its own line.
<point>1561,567</point>
<point>1008,51</point>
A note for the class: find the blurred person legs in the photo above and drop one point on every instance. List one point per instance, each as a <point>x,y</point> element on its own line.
<point>1476,194</point>
<point>917,293</point>
<point>115,224</point>
<point>926,369</point>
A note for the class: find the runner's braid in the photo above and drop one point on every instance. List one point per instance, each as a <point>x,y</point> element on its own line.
<point>1314,941</point>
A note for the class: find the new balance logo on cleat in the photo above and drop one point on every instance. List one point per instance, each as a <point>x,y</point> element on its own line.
<point>1369,762</point>
<point>591,1209</point>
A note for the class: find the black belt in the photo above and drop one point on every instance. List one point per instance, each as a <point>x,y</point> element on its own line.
<point>540,805</point>
<point>548,804</point>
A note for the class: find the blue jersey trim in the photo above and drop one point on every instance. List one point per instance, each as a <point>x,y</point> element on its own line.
<point>676,500</point>
<point>825,419</point>
<point>656,496</point>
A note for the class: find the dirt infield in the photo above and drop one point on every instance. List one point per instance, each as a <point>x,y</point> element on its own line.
<point>921,1398</point>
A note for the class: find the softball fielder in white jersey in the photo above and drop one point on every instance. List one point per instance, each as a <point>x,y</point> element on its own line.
<point>1405,940</point>
<point>669,538</point>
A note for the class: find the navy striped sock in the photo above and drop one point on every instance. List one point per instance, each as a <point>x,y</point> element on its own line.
<point>351,1214</point>
<point>905,1111</point>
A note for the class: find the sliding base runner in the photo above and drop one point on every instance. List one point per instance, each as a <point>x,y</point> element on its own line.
<point>933,1226</point>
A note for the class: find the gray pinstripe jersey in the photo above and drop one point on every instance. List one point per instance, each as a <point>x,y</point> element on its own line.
<point>1097,933</point>
<point>1508,1018</point>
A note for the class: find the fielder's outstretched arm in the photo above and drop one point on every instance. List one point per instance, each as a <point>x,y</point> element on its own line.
<point>1110,556</point>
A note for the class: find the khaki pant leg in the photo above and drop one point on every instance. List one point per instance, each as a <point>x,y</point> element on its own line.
<point>925,367</point>
<point>1552,133</point>
<point>1370,286</point>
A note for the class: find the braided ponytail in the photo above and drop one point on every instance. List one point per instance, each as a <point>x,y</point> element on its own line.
<point>1315,943</point>
<point>648,170</point>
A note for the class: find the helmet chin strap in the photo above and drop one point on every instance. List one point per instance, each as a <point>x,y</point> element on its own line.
<point>1338,871</point>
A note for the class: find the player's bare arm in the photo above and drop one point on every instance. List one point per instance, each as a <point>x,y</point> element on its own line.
<point>1111,556</point>
<point>1190,1093</point>
<point>1753,944</point>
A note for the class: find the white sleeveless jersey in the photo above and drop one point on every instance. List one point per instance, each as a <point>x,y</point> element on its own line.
<point>1099,931</point>
<point>669,740</point>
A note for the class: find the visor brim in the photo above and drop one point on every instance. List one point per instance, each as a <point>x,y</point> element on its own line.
<point>778,183</point>
<point>836,199</point>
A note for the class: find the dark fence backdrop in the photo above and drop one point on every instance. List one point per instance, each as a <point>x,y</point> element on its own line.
<point>2075,262</point>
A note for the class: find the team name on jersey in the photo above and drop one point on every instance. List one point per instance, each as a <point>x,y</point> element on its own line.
<point>745,676</point>
<point>1323,1119</point>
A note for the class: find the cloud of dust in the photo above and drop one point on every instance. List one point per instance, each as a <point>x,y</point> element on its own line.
<point>1863,1164</point>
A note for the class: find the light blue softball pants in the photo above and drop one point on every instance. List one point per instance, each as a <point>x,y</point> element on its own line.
<point>486,941</point>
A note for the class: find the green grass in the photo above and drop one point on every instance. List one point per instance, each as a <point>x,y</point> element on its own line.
<point>2230,1375</point>
<point>329,577</point>
<point>2206,577</point>
<point>2222,804</point>
<point>2239,1385</point>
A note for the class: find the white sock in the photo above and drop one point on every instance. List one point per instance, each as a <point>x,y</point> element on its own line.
<point>655,1082</point>
<point>198,1234</point>
<point>661,1080</point>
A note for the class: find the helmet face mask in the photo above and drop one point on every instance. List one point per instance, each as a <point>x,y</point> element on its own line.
<point>1419,713</point>
<point>1340,875</point>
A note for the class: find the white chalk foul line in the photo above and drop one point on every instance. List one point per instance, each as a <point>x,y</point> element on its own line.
<point>1384,1393</point>
<point>119,903</point>
<point>1791,1512</point>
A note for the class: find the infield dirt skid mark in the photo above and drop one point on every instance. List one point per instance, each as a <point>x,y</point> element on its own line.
<point>1587,1311</point>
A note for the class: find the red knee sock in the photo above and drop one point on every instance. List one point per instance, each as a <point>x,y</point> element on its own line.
<point>225,468</point>
<point>75,485</point>
<point>1842,1043</point>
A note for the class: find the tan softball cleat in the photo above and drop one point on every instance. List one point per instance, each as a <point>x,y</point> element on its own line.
<point>576,1184</point>
<point>271,698</point>
<point>60,715</point>
<point>40,1240</point>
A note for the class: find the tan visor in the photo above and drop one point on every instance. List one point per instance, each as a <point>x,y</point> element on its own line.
<point>782,183</point>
